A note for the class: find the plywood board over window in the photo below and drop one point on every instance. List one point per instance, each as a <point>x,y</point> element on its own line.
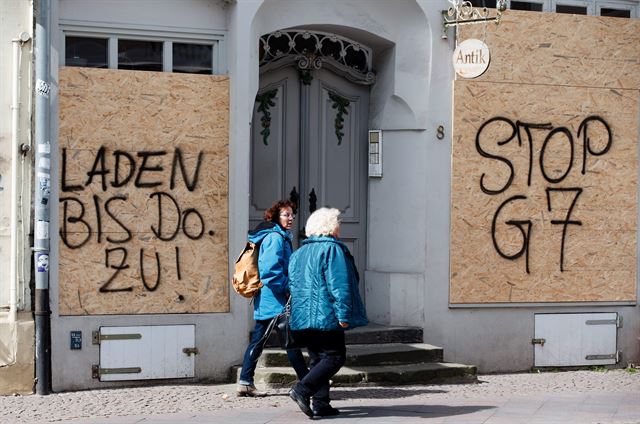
<point>143,192</point>
<point>544,168</point>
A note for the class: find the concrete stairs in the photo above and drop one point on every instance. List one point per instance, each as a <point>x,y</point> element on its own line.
<point>376,355</point>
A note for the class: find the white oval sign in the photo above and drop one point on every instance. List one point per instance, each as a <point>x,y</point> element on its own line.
<point>471,58</point>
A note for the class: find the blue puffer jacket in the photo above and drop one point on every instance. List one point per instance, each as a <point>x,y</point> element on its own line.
<point>324,286</point>
<point>273,262</point>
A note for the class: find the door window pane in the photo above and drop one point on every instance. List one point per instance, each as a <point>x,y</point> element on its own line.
<point>615,13</point>
<point>140,55</point>
<point>192,58</point>
<point>575,10</point>
<point>87,52</point>
<point>526,5</point>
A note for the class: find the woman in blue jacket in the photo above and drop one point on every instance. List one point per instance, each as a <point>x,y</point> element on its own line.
<point>274,239</point>
<point>325,301</point>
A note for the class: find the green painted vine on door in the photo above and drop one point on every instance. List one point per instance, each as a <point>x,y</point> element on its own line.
<point>266,102</point>
<point>341,104</point>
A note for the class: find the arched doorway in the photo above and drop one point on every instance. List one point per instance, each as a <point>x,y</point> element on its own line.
<point>309,130</point>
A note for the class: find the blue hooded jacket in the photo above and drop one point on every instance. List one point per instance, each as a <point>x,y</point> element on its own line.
<point>273,263</point>
<point>324,286</point>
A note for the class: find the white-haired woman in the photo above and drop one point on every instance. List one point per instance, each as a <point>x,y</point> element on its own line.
<point>325,301</point>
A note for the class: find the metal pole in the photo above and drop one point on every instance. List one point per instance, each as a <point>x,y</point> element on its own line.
<point>42,189</point>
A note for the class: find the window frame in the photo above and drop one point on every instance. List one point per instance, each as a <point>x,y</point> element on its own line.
<point>593,6</point>
<point>213,38</point>
<point>544,3</point>
<point>589,5</point>
<point>631,7</point>
<point>63,50</point>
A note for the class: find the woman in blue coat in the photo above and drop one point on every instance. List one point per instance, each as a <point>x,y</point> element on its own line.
<point>274,239</point>
<point>325,301</point>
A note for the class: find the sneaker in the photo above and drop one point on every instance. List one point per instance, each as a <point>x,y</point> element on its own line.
<point>249,390</point>
<point>302,401</point>
<point>325,411</point>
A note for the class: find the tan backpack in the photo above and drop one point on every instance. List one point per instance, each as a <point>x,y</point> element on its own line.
<point>246,277</point>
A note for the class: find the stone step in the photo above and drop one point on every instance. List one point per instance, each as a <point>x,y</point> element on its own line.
<point>379,334</point>
<point>368,355</point>
<point>419,373</point>
<point>373,334</point>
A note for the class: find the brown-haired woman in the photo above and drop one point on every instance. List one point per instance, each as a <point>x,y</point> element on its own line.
<point>274,239</point>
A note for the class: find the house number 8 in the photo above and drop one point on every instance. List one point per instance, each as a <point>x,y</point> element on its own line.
<point>440,132</point>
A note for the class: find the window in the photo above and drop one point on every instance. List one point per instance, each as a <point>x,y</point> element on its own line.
<point>491,4</point>
<point>143,49</point>
<point>140,55</point>
<point>526,5</point>
<point>618,13</point>
<point>575,10</point>
<point>192,58</point>
<point>615,8</point>
<point>86,51</point>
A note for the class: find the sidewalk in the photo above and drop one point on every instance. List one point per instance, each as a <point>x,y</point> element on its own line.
<point>565,397</point>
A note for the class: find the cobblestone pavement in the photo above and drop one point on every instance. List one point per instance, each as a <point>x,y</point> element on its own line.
<point>601,396</point>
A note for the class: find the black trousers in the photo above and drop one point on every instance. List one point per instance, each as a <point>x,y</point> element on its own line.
<point>327,354</point>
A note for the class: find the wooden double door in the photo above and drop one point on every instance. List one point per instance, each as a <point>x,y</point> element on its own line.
<point>309,144</point>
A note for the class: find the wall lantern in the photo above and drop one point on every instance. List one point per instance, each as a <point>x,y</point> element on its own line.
<point>463,13</point>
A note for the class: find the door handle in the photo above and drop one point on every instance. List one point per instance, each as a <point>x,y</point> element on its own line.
<point>294,197</point>
<point>313,200</point>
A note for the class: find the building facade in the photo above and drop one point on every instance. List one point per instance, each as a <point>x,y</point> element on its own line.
<point>482,210</point>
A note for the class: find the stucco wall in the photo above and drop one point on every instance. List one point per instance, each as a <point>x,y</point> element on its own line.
<point>581,169</point>
<point>209,14</point>
<point>397,99</point>
<point>398,104</point>
<point>493,338</point>
<point>16,337</point>
<point>401,102</point>
<point>220,337</point>
<point>407,273</point>
<point>15,18</point>
<point>411,206</point>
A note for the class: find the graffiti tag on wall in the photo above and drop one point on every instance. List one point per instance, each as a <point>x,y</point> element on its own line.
<point>593,138</point>
<point>143,192</point>
<point>146,171</point>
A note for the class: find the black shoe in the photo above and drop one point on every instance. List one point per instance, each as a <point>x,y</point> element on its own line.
<point>302,401</point>
<point>326,411</point>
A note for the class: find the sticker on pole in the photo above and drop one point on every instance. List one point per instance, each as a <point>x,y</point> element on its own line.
<point>471,58</point>
<point>42,262</point>
<point>42,88</point>
<point>42,230</point>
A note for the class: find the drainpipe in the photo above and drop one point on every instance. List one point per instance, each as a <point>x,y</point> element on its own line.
<point>41,199</point>
<point>15,150</point>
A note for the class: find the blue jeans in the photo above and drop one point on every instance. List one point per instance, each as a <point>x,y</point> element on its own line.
<point>327,353</point>
<point>254,350</point>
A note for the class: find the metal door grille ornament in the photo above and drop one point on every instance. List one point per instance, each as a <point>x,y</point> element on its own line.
<point>314,50</point>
